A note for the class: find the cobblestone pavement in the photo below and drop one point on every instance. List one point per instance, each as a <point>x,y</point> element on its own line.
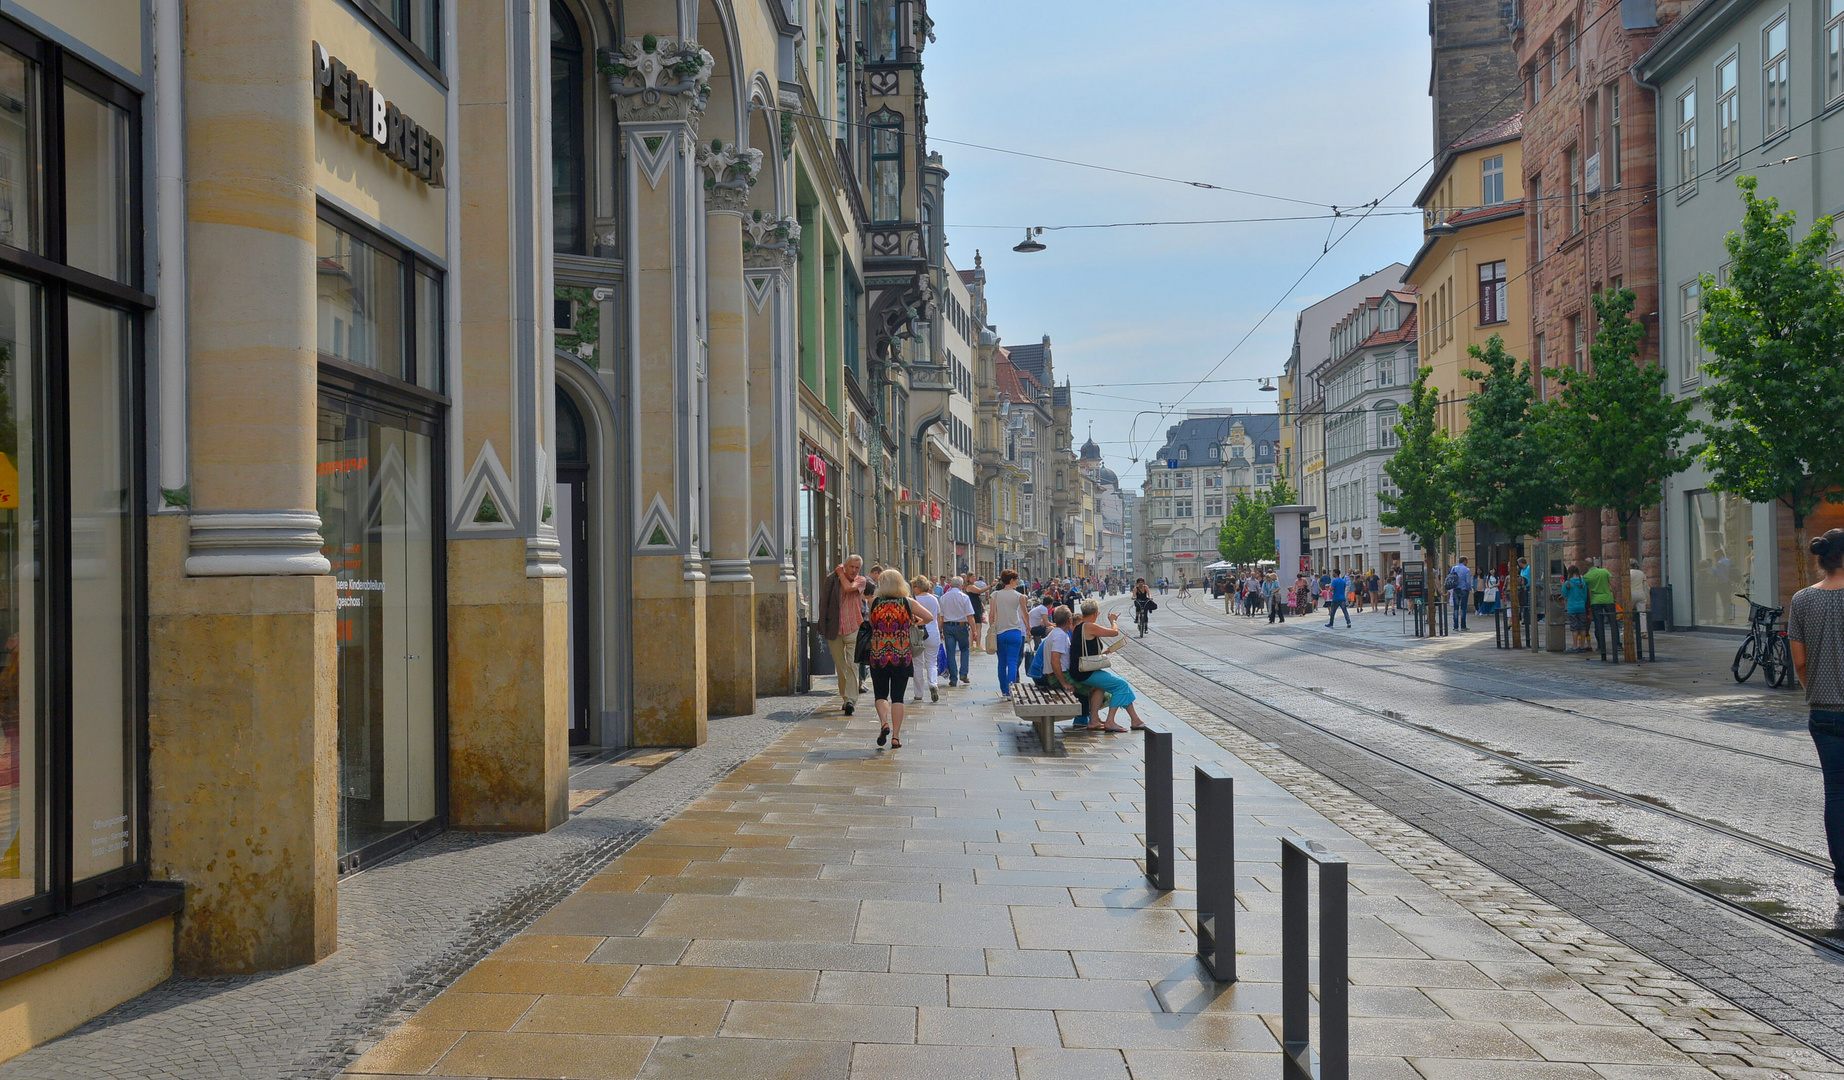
<point>407,928</point>
<point>1777,977</point>
<point>1698,762</point>
<point>965,907</point>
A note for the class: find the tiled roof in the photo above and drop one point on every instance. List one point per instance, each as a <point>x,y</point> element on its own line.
<point>1405,332</point>
<point>1014,383</point>
<point>1033,358</point>
<point>1508,128</point>
<point>1486,213</point>
<point>1197,434</point>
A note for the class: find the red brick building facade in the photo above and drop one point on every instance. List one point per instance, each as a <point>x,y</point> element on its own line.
<point>1590,168</point>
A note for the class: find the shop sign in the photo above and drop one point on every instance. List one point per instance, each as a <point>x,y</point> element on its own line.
<point>816,471</point>
<point>9,483</point>
<point>360,106</point>
<point>1552,524</point>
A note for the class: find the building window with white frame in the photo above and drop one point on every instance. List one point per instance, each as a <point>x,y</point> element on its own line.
<point>1183,506</point>
<point>1386,369</point>
<point>1834,50</point>
<point>1388,415</point>
<point>1690,321</point>
<point>1610,161</point>
<point>1687,143</point>
<point>1492,180</point>
<point>1776,74</point>
<point>1728,109</point>
<point>1578,343</point>
<point>1492,289</point>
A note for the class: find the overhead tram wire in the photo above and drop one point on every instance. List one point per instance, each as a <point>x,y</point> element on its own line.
<point>917,138</point>
<point>1369,209</point>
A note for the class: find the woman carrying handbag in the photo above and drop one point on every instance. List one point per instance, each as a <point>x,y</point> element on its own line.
<point>893,617</point>
<point>1091,668</point>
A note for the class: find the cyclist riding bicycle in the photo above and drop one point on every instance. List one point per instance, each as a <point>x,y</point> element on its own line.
<point>1143,604</point>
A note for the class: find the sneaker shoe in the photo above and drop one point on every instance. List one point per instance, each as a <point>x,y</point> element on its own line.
<point>934,694</point>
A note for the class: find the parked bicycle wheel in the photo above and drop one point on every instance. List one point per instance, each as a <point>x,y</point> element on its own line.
<point>1777,664</point>
<point>1749,655</point>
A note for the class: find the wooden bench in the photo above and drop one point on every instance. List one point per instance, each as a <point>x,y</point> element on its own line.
<point>1042,709</point>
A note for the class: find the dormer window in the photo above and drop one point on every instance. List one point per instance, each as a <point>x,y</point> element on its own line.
<point>1214,453</point>
<point>1184,453</point>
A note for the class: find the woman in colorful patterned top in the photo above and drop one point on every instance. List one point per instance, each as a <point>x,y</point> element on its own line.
<point>892,613</point>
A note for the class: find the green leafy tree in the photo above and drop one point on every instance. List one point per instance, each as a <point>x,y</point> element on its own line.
<point>1775,335</point>
<point>1505,469</point>
<point>1616,429</point>
<point>1425,504</point>
<point>1247,533</point>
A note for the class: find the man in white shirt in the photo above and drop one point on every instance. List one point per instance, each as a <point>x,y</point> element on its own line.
<point>956,621</point>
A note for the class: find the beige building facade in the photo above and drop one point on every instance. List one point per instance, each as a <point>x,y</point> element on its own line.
<point>422,352</point>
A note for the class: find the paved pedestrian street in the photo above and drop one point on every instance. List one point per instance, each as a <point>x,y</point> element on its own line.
<point>967,907</point>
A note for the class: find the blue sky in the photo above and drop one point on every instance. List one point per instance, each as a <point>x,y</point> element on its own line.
<point>1323,100</point>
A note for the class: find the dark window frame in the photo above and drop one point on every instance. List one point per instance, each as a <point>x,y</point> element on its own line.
<point>58,285</point>
<point>412,263</point>
<point>430,62</point>
<point>575,126</point>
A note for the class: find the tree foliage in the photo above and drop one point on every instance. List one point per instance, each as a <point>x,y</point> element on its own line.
<point>1247,533</point>
<point>1775,335</point>
<point>1422,468</point>
<point>1617,431</point>
<point>1505,468</point>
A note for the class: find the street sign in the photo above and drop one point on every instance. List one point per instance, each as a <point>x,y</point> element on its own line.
<point>1552,524</point>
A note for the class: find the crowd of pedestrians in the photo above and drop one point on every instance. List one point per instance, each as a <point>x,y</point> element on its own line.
<point>905,637</point>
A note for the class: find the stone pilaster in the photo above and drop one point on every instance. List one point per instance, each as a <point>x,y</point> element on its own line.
<point>242,708</point>
<point>508,616</point>
<point>729,172</point>
<point>660,85</point>
<point>770,247</point>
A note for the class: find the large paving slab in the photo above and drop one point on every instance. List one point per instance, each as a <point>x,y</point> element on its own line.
<point>966,907</point>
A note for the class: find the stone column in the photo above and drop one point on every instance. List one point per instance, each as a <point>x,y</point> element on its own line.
<point>769,250</point>
<point>660,85</point>
<point>508,615</point>
<point>242,712</point>
<point>730,615</point>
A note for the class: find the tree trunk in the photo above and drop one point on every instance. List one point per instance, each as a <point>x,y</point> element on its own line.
<point>1623,586</point>
<point>1508,590</point>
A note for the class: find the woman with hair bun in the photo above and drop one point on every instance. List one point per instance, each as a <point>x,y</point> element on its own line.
<point>1815,629</point>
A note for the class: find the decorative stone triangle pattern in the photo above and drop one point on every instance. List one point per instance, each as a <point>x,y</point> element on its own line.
<point>487,503</point>
<point>653,153</point>
<point>658,532</point>
<point>761,284</point>
<point>762,547</point>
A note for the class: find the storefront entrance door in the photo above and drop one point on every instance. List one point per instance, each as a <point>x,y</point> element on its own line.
<point>376,498</point>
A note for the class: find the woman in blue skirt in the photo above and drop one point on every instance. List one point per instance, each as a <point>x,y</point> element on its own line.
<point>1100,684</point>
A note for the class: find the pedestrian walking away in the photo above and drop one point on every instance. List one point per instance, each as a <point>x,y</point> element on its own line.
<point>1460,582</point>
<point>957,630</point>
<point>1007,607</point>
<point>891,615</point>
<point>923,655</point>
<point>1815,631</point>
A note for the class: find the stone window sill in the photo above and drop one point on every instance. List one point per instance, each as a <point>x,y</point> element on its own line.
<point>40,943</point>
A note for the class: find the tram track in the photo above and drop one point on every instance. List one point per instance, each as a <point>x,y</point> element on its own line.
<point>1762,847</point>
<point>1183,613</point>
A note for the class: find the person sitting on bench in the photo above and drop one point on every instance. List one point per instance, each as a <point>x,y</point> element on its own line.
<point>1059,667</point>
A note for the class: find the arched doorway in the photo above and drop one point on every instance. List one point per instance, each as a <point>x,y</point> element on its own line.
<point>572,522</point>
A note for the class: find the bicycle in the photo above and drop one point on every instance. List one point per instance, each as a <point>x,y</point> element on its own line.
<point>1139,618</point>
<point>1765,647</point>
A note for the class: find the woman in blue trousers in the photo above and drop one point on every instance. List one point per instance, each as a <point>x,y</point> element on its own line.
<point>1007,611</point>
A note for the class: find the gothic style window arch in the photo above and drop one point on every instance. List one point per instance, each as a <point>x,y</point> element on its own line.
<point>569,160</point>
<point>886,173</point>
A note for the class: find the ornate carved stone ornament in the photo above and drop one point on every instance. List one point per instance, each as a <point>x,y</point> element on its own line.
<point>729,173</point>
<point>883,83</point>
<point>658,78</point>
<point>770,242</point>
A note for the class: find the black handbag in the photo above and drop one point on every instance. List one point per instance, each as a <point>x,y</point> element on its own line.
<point>861,652</point>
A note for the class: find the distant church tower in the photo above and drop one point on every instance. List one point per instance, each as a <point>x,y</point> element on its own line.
<point>1474,67</point>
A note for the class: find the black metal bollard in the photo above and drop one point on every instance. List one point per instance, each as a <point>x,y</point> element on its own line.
<point>1215,800</point>
<point>1334,965</point>
<point>1160,851</point>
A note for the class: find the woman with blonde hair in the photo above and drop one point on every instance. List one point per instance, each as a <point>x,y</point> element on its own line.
<point>923,656</point>
<point>893,612</point>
